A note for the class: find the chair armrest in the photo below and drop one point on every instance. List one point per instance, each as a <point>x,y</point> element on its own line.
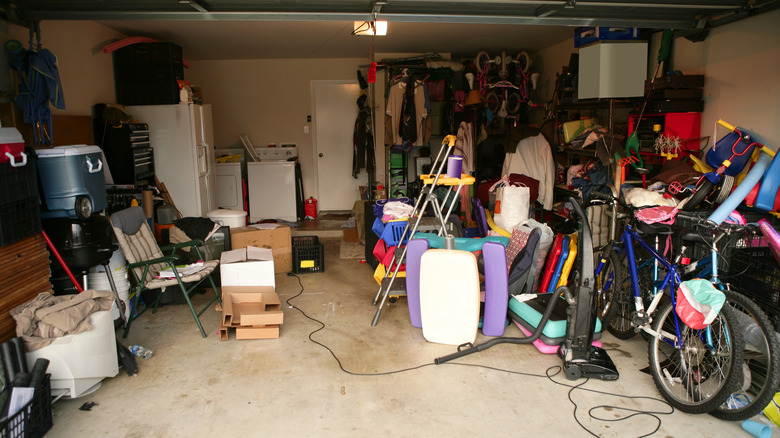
<point>175,246</point>
<point>164,259</point>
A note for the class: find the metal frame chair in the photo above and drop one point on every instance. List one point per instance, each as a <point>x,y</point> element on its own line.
<point>146,259</point>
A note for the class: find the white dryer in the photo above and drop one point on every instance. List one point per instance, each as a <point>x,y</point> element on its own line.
<point>230,185</point>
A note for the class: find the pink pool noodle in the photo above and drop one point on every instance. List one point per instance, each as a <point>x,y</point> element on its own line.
<point>771,236</point>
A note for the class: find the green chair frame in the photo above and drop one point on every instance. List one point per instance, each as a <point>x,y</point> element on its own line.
<point>146,258</point>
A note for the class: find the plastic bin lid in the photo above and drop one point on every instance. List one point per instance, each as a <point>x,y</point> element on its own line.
<point>225,213</point>
<point>10,135</point>
<point>62,151</point>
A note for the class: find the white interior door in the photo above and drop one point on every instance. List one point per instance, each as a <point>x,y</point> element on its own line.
<point>335,111</point>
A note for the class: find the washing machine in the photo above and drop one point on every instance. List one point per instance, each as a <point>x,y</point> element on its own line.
<point>275,187</point>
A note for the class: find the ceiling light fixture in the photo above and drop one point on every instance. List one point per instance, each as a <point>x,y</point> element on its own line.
<point>378,28</point>
<point>372,26</point>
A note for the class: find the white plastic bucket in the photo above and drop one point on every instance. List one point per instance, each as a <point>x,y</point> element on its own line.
<point>99,281</point>
<point>117,263</point>
<point>231,218</point>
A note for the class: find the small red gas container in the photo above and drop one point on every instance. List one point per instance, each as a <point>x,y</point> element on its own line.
<point>310,209</point>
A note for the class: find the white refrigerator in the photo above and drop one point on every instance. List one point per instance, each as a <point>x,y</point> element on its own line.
<point>184,159</point>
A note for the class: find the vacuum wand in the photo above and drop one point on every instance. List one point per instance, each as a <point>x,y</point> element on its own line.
<point>505,340</point>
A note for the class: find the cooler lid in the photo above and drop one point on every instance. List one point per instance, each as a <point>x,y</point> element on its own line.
<point>62,151</point>
<point>10,135</point>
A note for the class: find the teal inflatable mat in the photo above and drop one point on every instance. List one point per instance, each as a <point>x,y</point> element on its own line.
<point>531,312</point>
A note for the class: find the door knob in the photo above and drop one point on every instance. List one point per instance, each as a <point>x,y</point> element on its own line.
<point>320,155</point>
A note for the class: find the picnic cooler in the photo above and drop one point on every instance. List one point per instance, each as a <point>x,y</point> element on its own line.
<point>67,174</point>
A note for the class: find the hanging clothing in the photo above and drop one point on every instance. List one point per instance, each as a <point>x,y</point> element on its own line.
<point>407,125</point>
<point>395,111</point>
<point>465,144</point>
<point>363,140</point>
<point>533,157</point>
<point>40,84</point>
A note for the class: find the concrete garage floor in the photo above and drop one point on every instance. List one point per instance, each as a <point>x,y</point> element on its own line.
<point>291,386</point>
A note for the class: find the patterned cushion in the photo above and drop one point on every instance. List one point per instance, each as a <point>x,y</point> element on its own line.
<point>163,282</point>
<point>517,242</point>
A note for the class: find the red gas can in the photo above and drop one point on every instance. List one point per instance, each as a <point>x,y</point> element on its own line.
<point>310,209</point>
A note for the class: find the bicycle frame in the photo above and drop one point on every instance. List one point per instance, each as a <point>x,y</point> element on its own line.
<point>504,87</point>
<point>671,279</point>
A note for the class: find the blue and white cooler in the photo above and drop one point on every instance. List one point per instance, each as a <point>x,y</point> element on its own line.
<point>72,181</point>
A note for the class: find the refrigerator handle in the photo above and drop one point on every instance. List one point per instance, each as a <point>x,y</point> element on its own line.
<point>204,149</point>
<point>204,167</point>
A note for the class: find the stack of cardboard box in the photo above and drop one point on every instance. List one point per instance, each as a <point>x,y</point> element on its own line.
<point>250,305</point>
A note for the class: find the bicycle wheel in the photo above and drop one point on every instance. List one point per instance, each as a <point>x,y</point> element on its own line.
<point>761,369</point>
<point>608,286</point>
<point>493,101</point>
<point>482,59</point>
<point>623,301</point>
<point>514,102</point>
<point>701,194</point>
<point>706,370</point>
<point>524,60</point>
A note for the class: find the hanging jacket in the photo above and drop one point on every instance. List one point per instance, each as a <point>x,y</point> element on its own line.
<point>40,85</point>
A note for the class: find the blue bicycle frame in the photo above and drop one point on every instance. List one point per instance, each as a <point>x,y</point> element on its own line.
<point>671,279</point>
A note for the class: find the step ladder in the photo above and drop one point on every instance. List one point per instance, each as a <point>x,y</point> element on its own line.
<point>426,198</point>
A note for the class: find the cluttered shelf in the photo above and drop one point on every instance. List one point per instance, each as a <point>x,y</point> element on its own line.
<point>599,103</point>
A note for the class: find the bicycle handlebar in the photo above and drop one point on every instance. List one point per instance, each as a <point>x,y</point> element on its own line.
<point>704,222</point>
<point>726,125</point>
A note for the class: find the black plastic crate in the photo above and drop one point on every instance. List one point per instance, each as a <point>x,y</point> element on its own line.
<point>17,183</point>
<point>738,240</point>
<point>756,273</point>
<point>308,255</point>
<point>19,219</point>
<point>146,73</point>
<point>34,419</point>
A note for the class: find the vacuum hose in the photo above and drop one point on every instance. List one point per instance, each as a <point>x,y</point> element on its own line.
<point>463,351</point>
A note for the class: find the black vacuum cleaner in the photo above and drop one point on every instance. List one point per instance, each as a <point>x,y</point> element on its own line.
<point>580,357</point>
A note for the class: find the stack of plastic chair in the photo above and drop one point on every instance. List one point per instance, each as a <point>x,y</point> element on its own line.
<point>390,238</point>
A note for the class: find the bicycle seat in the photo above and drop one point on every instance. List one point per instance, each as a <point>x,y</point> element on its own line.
<point>653,229</point>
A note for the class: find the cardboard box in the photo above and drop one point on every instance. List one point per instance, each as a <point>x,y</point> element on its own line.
<point>251,306</point>
<point>277,240</point>
<point>253,312</point>
<point>351,235</point>
<point>265,332</point>
<point>250,266</point>
<point>576,127</point>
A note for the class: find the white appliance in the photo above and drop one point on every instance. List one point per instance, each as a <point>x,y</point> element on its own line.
<point>230,190</point>
<point>272,192</point>
<point>79,363</point>
<point>183,141</point>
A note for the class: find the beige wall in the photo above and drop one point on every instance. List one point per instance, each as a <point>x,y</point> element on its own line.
<point>87,74</point>
<point>740,62</point>
<point>269,100</point>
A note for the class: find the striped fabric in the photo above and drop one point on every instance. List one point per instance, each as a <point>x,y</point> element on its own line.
<point>141,246</point>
